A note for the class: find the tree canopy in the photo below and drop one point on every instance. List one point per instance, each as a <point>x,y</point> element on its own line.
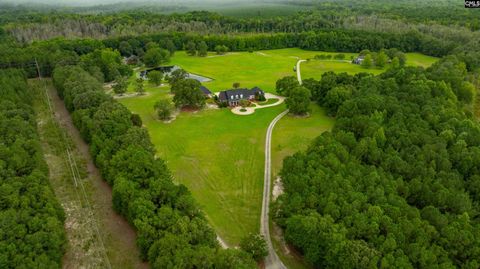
<point>31,227</point>
<point>395,183</point>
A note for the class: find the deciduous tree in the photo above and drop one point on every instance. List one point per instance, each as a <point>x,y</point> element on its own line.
<point>298,100</point>
<point>155,77</point>
<point>164,109</point>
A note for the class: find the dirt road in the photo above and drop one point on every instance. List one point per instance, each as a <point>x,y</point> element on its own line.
<point>271,261</point>
<point>299,75</point>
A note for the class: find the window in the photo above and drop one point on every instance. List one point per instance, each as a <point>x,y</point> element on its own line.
<point>241,96</point>
<point>231,97</point>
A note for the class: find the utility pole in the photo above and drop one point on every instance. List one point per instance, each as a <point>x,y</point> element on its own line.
<point>38,69</point>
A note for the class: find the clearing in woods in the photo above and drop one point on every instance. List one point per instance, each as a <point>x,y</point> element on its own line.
<point>97,236</point>
<point>219,156</point>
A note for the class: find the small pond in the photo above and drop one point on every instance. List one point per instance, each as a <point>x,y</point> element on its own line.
<point>169,69</point>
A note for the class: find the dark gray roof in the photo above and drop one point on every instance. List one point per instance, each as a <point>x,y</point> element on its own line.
<point>205,90</point>
<point>238,94</point>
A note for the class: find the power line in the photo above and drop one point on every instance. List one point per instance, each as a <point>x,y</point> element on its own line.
<point>76,177</point>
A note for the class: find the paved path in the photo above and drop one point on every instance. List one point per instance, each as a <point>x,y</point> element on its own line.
<point>251,110</point>
<point>299,75</point>
<point>271,261</point>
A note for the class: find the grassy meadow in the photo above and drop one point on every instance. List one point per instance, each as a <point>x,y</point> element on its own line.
<point>264,68</point>
<point>219,156</point>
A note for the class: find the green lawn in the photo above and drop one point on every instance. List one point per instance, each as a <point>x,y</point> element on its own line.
<point>268,102</point>
<point>219,156</point>
<point>264,68</point>
<point>292,134</point>
<point>314,68</point>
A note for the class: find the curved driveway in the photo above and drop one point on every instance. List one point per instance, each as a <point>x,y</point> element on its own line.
<point>271,261</point>
<point>299,75</point>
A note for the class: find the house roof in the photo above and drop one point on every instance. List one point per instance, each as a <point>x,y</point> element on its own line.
<point>205,90</point>
<point>238,94</point>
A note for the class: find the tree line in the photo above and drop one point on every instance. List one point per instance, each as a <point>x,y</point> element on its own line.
<point>31,227</point>
<point>172,231</point>
<point>396,183</point>
<point>31,24</point>
<point>63,52</point>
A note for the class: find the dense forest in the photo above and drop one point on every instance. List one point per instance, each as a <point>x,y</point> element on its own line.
<point>59,36</point>
<point>396,183</point>
<point>172,231</point>
<point>31,226</point>
<point>428,17</point>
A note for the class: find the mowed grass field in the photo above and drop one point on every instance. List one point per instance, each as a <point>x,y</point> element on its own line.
<point>219,156</point>
<point>264,68</point>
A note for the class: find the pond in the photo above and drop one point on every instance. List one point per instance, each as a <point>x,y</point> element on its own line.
<point>167,70</point>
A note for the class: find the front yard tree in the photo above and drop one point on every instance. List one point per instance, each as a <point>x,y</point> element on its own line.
<point>121,85</point>
<point>202,49</point>
<point>155,77</point>
<point>298,100</point>
<point>139,86</point>
<point>164,109</point>
<point>187,93</point>
<point>191,48</point>
<point>156,56</point>
<point>367,61</point>
<point>255,245</point>
<point>236,85</point>
<point>284,85</point>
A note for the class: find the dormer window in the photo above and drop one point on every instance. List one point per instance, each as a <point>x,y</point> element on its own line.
<point>241,96</point>
<point>231,97</point>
